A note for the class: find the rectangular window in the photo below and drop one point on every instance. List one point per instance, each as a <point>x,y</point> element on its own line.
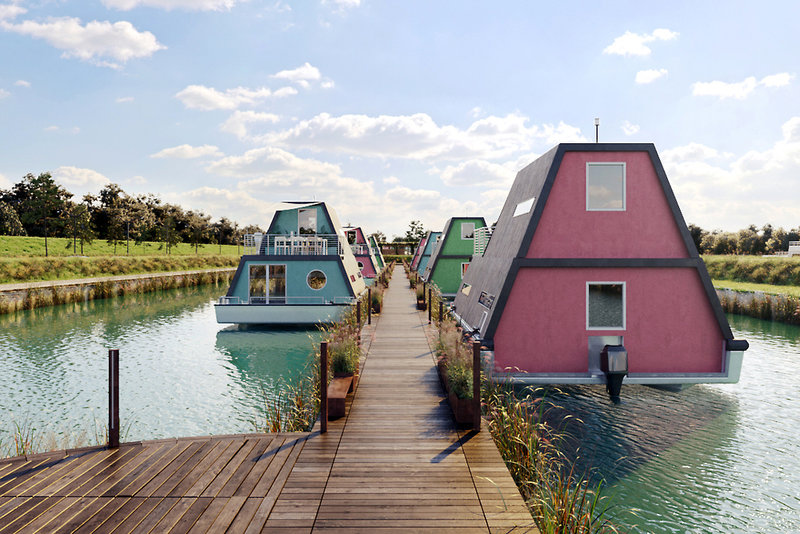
<point>277,284</point>
<point>258,284</point>
<point>464,267</point>
<point>605,186</point>
<point>524,207</point>
<point>307,221</point>
<point>467,230</point>
<point>605,305</point>
<point>486,300</point>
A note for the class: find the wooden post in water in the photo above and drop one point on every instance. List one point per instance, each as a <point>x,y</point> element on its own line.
<point>476,386</point>
<point>323,386</point>
<point>369,305</point>
<point>113,398</point>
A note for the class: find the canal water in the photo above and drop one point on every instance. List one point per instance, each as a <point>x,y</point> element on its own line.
<point>181,373</point>
<point>711,458</point>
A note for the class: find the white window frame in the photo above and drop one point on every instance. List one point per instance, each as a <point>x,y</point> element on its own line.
<point>624,184</point>
<point>624,305</point>
<point>463,224</point>
<point>463,271</point>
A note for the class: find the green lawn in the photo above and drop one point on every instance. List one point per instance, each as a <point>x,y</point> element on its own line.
<point>750,286</point>
<point>19,247</point>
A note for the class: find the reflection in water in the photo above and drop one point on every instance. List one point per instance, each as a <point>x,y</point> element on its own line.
<point>178,377</point>
<point>711,458</point>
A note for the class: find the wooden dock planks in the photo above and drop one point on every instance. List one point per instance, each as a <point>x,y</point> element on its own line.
<point>395,463</point>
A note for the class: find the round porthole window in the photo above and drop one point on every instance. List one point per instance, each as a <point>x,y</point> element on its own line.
<point>316,279</point>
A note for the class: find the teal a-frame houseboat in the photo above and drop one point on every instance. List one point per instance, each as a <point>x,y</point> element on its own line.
<point>376,251</point>
<point>302,271</point>
<point>460,239</point>
<point>424,251</point>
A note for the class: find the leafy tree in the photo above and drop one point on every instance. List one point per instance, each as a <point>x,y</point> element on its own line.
<point>697,234</point>
<point>415,232</point>
<point>198,227</point>
<point>41,203</point>
<point>169,235</point>
<point>379,236</point>
<point>80,225</point>
<point>9,220</point>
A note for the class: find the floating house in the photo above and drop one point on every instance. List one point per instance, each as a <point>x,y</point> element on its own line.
<point>302,271</point>
<point>424,251</point>
<point>363,253</point>
<point>376,253</point>
<point>451,254</point>
<point>591,259</point>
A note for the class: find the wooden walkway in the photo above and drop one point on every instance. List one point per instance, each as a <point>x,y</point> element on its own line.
<point>394,464</point>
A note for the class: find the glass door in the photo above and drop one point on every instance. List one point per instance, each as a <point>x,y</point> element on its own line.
<point>277,284</point>
<point>257,291</point>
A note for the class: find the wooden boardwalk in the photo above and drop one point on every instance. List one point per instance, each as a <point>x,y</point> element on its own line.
<point>395,463</point>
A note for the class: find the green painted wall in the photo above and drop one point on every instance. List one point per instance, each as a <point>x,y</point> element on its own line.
<point>454,244</point>
<point>447,276</point>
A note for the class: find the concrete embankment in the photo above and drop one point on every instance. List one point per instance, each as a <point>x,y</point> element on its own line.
<point>25,296</point>
<point>783,308</point>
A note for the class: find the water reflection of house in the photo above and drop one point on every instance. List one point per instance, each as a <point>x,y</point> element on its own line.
<point>591,249</point>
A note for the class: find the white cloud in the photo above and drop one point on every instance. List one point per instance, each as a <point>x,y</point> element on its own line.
<point>4,94</point>
<point>274,165</point>
<point>650,75</point>
<point>628,128</point>
<point>740,90</point>
<point>208,98</point>
<point>302,75</point>
<point>51,128</point>
<point>138,180</point>
<point>717,190</point>
<point>82,178</point>
<point>633,44</point>
<point>124,99</point>
<point>102,43</point>
<point>188,152</point>
<point>189,5</point>
<point>478,173</point>
<point>5,183</point>
<point>777,80</point>
<point>419,137</point>
<point>22,83</point>
<point>391,180</point>
<point>10,11</point>
<point>342,4</point>
<point>239,122</point>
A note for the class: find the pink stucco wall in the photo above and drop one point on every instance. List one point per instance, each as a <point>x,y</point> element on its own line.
<point>646,229</point>
<point>369,270</point>
<point>670,326</point>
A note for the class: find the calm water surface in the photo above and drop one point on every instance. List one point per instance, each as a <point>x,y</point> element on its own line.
<point>711,458</point>
<point>722,458</point>
<point>181,373</point>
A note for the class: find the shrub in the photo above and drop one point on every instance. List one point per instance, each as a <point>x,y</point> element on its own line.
<point>459,378</point>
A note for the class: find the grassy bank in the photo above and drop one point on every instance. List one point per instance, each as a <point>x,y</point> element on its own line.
<point>769,289</point>
<point>32,269</point>
<point>14,246</point>
<point>779,271</point>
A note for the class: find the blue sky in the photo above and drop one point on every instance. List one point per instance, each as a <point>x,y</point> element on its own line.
<point>393,111</point>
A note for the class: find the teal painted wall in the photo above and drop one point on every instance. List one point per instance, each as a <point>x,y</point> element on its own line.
<point>285,222</point>
<point>296,273</point>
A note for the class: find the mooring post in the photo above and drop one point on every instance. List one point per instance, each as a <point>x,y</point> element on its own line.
<point>430,304</point>
<point>113,398</point>
<point>441,306</point>
<point>369,305</point>
<point>323,386</point>
<point>358,312</point>
<point>476,385</point>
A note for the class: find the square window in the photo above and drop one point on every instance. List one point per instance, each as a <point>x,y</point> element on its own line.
<point>467,230</point>
<point>605,305</point>
<point>464,267</point>
<point>605,186</point>
<point>307,221</point>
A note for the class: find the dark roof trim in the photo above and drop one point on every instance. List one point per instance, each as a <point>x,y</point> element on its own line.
<point>608,262</point>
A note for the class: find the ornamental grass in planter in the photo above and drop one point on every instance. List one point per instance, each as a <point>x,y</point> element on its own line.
<point>344,355</point>
<point>377,301</point>
<point>421,305</point>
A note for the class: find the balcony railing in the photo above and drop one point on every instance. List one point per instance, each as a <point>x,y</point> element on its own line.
<point>360,250</point>
<point>236,301</point>
<point>482,237</point>
<point>292,245</point>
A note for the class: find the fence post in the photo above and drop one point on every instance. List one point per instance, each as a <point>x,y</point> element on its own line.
<point>113,398</point>
<point>430,304</point>
<point>476,385</point>
<point>441,306</point>
<point>369,305</point>
<point>358,312</point>
<point>323,386</point>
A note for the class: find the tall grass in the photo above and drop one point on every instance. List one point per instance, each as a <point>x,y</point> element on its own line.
<point>18,246</point>
<point>757,269</point>
<point>25,438</point>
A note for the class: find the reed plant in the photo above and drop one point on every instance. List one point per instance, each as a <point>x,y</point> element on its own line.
<point>24,438</point>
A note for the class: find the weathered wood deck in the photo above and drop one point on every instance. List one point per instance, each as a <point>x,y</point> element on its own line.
<point>395,463</point>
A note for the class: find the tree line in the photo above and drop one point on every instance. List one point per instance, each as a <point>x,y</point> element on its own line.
<point>38,206</point>
<point>752,240</point>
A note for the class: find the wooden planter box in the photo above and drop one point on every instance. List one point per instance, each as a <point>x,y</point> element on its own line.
<point>421,305</point>
<point>463,410</point>
<point>353,384</point>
